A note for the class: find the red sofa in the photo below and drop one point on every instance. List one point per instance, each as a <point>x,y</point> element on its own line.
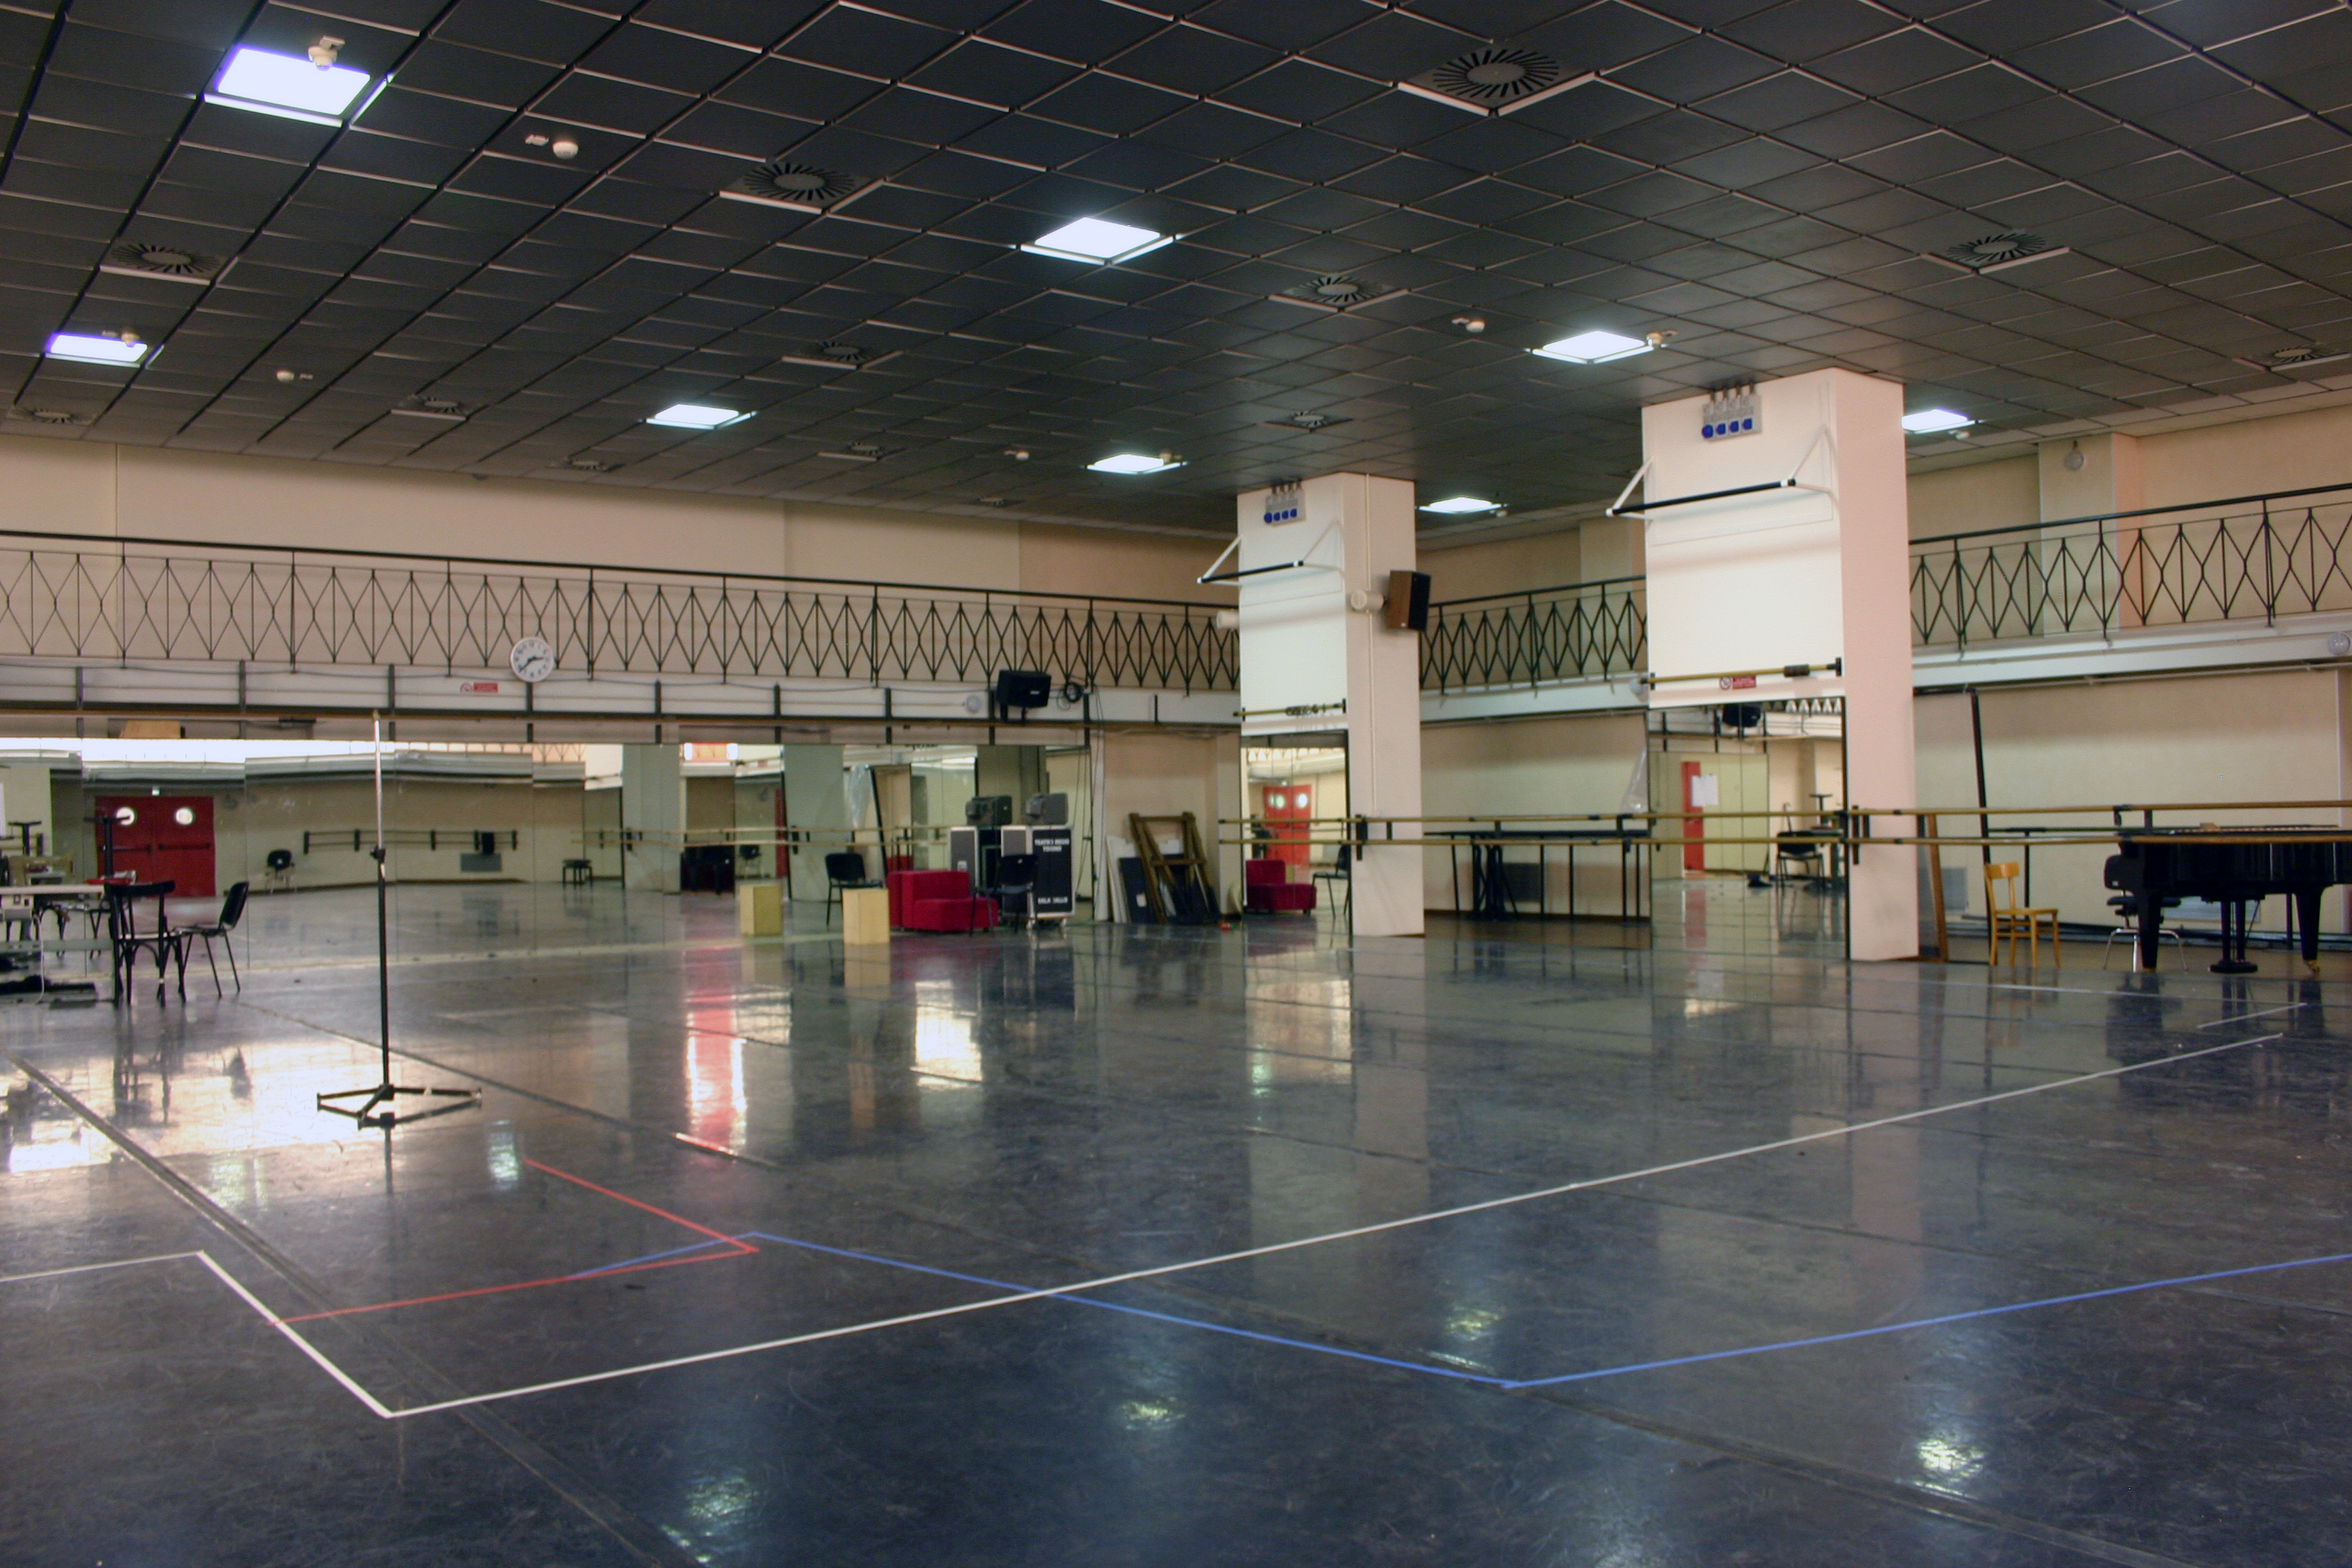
<point>938,901</point>
<point>1267,889</point>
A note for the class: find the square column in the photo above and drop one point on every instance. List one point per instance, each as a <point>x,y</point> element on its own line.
<point>1312,661</point>
<point>1808,564</point>
<point>816,800</point>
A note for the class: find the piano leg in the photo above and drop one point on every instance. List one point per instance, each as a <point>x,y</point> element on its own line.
<point>2234,939</point>
<point>2307,916</point>
<point>2151,920</point>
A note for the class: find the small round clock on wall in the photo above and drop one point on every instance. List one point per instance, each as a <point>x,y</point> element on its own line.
<point>533,659</point>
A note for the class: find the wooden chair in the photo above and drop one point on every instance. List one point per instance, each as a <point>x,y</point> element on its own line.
<point>2008,918</point>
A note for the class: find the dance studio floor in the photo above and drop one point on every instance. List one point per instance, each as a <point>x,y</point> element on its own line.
<point>1173,1248</point>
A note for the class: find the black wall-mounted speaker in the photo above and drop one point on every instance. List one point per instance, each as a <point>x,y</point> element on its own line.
<point>1023,689</point>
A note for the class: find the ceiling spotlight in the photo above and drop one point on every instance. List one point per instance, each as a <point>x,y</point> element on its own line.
<point>1471,324</point>
<point>1598,347</point>
<point>315,89</point>
<point>1136,463</point>
<point>1018,454</point>
<point>1657,340</point>
<point>1098,240</point>
<point>695,416</point>
<point>1453,506</point>
<point>109,348</point>
<point>565,148</point>
<point>1931,421</point>
<point>291,376</point>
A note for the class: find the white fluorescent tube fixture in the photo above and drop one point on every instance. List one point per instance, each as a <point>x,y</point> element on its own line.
<point>1134,463</point>
<point>95,351</point>
<point>1594,348</point>
<point>1929,421</point>
<point>282,84</point>
<point>695,416</point>
<point>1097,239</point>
<point>1457,504</point>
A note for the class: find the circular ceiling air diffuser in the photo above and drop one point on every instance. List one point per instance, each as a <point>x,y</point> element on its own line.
<point>1992,249</point>
<point>1337,290</point>
<point>1495,75</point>
<point>162,260</point>
<point>50,415</point>
<point>845,353</point>
<point>440,405</point>
<point>587,464</point>
<point>2298,354</point>
<point>798,183</point>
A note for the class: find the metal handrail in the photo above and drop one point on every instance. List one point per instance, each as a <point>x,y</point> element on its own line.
<point>2142,511</point>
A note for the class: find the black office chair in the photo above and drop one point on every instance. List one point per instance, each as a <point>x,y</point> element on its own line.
<point>1340,873</point>
<point>232,910</point>
<point>844,870</point>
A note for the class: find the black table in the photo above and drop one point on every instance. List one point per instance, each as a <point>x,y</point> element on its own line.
<point>1490,893</point>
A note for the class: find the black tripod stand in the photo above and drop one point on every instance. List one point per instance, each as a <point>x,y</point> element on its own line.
<point>383,1092</point>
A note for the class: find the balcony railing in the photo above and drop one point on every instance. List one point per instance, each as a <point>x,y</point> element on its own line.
<point>91,599</point>
<point>1568,632</point>
<point>2248,558</point>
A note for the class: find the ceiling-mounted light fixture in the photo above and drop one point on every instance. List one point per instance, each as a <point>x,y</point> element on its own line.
<point>1018,454</point>
<point>695,416</point>
<point>1135,463</point>
<point>1473,325</point>
<point>1933,421</point>
<point>1459,506</point>
<point>315,88</point>
<point>112,348</point>
<point>1098,240</point>
<point>2074,459</point>
<point>1598,347</point>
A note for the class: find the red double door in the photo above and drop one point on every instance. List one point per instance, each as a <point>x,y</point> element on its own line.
<point>1288,810</point>
<point>163,838</point>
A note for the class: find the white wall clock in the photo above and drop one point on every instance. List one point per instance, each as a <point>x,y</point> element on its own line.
<point>533,659</point>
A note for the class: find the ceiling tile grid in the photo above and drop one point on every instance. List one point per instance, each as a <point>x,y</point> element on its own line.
<point>546,220</point>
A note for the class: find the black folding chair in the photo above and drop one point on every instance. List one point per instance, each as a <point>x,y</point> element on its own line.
<point>123,925</point>
<point>1342,875</point>
<point>1016,878</point>
<point>843,868</point>
<point>232,910</point>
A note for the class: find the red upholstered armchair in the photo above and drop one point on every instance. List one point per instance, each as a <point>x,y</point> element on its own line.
<point>1266,889</point>
<point>938,901</point>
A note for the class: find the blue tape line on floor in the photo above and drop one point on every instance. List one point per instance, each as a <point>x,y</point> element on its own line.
<point>633,1262</point>
<point>1138,1311</point>
<point>1571,1376</point>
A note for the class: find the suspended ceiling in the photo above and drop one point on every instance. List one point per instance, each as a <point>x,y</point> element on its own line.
<point>1780,186</point>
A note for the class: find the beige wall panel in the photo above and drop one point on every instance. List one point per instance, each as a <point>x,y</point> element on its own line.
<point>201,496</point>
<point>1503,565</point>
<point>2250,457</point>
<point>1118,566</point>
<point>898,547</point>
<point>2006,494</point>
<point>63,487</point>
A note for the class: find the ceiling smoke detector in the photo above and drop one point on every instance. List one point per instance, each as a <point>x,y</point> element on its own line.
<point>171,261</point>
<point>799,186</point>
<point>1494,80</point>
<point>50,415</point>
<point>1993,252</point>
<point>1305,421</point>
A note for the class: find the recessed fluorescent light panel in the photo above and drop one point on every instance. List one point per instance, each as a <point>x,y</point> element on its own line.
<point>1098,239</point>
<point>1594,348</point>
<point>695,416</point>
<point>1454,505</point>
<point>283,84</point>
<point>1929,421</point>
<point>95,351</point>
<point>1134,463</point>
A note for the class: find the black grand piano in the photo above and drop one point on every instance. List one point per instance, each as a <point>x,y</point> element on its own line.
<point>2219,865</point>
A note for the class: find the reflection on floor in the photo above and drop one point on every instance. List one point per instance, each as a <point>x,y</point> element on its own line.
<point>1556,1243</point>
